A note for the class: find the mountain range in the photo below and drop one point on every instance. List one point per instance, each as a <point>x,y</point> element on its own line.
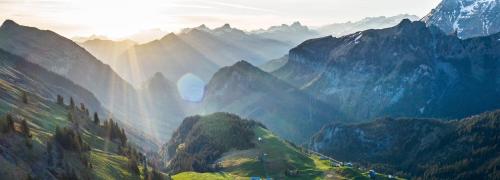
<point>199,51</point>
<point>208,49</point>
<point>416,99</point>
<point>466,18</point>
<point>342,29</point>
<point>294,33</point>
<point>407,70</point>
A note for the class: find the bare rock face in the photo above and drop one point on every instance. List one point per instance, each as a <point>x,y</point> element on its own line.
<point>468,18</point>
<point>409,70</point>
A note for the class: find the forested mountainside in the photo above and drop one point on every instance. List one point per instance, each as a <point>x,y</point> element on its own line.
<point>51,128</point>
<point>419,148</point>
<point>225,146</point>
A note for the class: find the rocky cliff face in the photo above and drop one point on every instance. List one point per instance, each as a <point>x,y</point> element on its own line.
<point>469,18</point>
<point>407,70</point>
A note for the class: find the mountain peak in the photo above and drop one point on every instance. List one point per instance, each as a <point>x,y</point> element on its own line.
<point>243,64</point>
<point>9,23</point>
<point>413,25</point>
<point>296,23</point>
<point>156,81</point>
<point>404,22</point>
<point>226,26</point>
<point>158,75</point>
<point>170,36</point>
<point>202,26</point>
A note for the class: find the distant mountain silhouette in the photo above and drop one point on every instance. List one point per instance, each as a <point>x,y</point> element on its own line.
<point>341,29</point>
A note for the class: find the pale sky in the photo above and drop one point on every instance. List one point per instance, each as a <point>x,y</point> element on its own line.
<point>119,18</point>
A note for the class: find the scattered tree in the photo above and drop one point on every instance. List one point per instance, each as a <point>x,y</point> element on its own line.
<point>155,175</point>
<point>145,169</point>
<point>25,129</point>
<point>9,124</point>
<point>132,165</point>
<point>123,137</point>
<point>113,132</point>
<point>71,103</point>
<point>96,118</point>
<point>25,97</point>
<point>70,140</point>
<point>60,100</point>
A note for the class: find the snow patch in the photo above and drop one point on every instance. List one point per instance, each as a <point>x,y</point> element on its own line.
<point>399,94</point>
<point>422,109</point>
<point>356,40</point>
<point>470,8</point>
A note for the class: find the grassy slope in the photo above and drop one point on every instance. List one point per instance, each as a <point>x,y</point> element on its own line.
<point>245,164</point>
<point>43,116</point>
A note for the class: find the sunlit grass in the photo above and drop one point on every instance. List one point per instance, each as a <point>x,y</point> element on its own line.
<point>110,166</point>
<point>208,176</point>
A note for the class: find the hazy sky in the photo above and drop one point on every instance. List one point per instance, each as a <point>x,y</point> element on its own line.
<point>117,18</point>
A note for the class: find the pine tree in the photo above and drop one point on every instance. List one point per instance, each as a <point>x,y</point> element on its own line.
<point>25,97</point>
<point>145,169</point>
<point>25,129</point>
<point>132,164</point>
<point>9,127</point>
<point>155,175</point>
<point>96,118</point>
<point>123,137</point>
<point>71,103</point>
<point>60,100</point>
